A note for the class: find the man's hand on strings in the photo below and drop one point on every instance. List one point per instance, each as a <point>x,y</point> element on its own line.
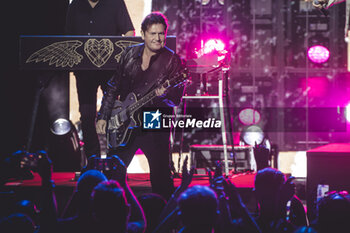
<point>101,126</point>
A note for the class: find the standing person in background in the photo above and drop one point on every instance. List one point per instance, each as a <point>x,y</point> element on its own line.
<point>95,18</point>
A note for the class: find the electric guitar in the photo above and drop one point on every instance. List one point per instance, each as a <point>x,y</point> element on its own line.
<point>124,117</point>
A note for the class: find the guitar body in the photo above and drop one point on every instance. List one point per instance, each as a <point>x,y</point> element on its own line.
<point>125,115</point>
<point>122,123</point>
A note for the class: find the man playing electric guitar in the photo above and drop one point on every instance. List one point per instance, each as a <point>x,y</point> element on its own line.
<point>145,70</point>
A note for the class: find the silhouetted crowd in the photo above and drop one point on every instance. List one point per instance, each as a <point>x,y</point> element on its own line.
<point>104,202</point>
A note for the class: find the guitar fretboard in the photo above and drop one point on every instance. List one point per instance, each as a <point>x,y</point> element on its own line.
<point>148,97</point>
<point>135,106</point>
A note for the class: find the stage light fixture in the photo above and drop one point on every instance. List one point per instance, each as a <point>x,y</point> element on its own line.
<point>206,2</point>
<point>61,126</point>
<point>318,54</point>
<point>249,116</point>
<point>253,135</point>
<point>212,46</point>
<point>221,2</point>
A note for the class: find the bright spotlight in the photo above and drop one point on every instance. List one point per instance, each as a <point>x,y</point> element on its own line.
<point>210,46</point>
<point>318,54</point>
<point>253,135</point>
<point>61,127</point>
<point>213,44</point>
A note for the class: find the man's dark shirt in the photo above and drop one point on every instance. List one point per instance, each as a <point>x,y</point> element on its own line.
<point>129,77</point>
<point>108,17</point>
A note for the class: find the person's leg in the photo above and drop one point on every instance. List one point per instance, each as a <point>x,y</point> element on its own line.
<point>126,153</point>
<point>87,83</point>
<point>87,86</point>
<point>156,148</point>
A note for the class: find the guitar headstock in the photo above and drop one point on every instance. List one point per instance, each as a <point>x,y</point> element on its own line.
<point>180,78</point>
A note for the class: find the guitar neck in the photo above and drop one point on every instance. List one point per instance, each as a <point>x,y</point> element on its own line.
<point>151,95</point>
<point>144,100</point>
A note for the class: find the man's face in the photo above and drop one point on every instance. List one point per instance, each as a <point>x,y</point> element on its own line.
<point>154,37</point>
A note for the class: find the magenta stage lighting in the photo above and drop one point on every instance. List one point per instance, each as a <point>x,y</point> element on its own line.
<point>249,116</point>
<point>347,112</point>
<point>318,54</point>
<point>212,46</point>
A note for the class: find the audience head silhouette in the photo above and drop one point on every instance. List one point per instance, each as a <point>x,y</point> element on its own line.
<point>268,182</point>
<point>17,222</point>
<point>334,212</point>
<point>198,207</point>
<point>85,185</point>
<point>110,208</point>
<point>152,205</point>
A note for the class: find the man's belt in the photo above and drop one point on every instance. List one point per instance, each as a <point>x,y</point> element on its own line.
<point>76,52</point>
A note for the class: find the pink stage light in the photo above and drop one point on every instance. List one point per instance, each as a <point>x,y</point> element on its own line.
<point>213,44</point>
<point>318,54</point>
<point>210,46</point>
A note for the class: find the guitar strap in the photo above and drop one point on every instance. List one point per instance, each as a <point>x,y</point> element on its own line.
<point>158,69</point>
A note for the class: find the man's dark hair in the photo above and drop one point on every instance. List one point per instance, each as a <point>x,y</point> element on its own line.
<point>154,18</point>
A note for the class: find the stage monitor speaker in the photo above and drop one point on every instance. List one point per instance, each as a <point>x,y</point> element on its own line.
<point>327,165</point>
<point>205,156</point>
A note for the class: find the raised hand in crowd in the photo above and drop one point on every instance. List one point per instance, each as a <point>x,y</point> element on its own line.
<point>231,207</point>
<point>186,179</point>
<point>49,211</point>
<point>287,191</point>
<point>238,209</point>
<point>137,221</point>
<point>169,217</point>
<point>262,156</point>
<point>186,175</point>
<point>45,167</point>
<point>216,182</point>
